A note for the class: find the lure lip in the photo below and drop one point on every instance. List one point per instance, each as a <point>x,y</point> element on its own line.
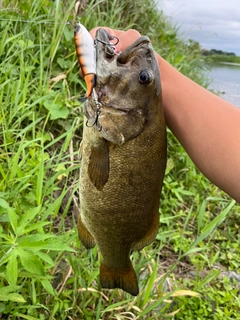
<point>77,27</point>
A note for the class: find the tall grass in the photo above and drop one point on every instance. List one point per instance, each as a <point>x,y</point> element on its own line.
<point>45,273</point>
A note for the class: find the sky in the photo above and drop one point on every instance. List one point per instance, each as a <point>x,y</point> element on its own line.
<point>215,24</point>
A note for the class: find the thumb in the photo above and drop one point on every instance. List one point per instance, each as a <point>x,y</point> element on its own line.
<point>125,37</point>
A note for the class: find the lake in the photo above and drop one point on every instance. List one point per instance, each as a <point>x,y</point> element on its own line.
<point>226,80</point>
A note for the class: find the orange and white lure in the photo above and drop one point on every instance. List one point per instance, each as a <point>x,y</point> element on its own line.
<point>85,50</point>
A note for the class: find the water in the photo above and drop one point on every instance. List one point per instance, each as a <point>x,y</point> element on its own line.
<point>226,80</point>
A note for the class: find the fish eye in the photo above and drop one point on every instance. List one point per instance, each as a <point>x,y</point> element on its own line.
<point>144,77</point>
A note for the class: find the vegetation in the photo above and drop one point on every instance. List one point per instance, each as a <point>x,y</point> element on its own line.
<point>221,56</point>
<point>225,58</point>
<point>45,273</point>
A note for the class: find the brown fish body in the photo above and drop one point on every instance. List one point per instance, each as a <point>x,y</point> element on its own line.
<point>123,165</point>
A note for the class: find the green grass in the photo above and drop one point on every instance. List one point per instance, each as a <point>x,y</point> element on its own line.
<point>45,273</point>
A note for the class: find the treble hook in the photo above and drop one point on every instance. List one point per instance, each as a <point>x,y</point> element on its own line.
<point>108,43</point>
<point>99,127</point>
<point>98,111</point>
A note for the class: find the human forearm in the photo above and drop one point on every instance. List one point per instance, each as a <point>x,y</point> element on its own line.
<point>207,126</point>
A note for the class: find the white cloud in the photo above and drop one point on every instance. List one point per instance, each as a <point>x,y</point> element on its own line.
<point>213,23</point>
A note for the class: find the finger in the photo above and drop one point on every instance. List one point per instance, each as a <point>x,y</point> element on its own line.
<point>113,32</point>
<point>125,37</point>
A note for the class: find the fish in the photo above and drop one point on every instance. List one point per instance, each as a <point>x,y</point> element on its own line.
<point>85,50</point>
<point>123,162</point>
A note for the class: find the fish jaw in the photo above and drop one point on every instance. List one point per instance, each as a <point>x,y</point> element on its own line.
<point>124,101</point>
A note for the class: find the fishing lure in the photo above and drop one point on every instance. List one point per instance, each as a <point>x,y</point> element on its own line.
<point>85,50</point>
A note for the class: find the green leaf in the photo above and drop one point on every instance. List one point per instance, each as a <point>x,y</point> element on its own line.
<point>170,165</point>
<point>58,245</point>
<point>24,316</point>
<point>31,263</point>
<point>48,287</point>
<point>12,218</point>
<point>36,226</point>
<point>68,34</point>
<point>149,285</point>
<point>153,305</point>
<point>64,64</point>
<point>57,110</point>
<point>12,269</point>
<point>40,177</point>
<point>45,257</point>
<point>8,289</point>
<point>201,214</point>
<point>115,305</point>
<point>210,227</point>
<point>4,204</point>
<point>15,297</point>
<point>218,219</point>
<point>28,216</point>
<point>46,242</point>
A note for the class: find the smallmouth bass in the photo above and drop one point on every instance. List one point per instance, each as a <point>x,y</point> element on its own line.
<point>123,159</point>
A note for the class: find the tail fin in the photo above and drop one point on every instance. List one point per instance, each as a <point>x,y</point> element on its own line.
<point>124,279</point>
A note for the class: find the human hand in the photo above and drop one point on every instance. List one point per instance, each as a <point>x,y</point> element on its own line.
<point>126,38</point>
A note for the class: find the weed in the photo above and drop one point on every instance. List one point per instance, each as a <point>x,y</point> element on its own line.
<point>45,273</point>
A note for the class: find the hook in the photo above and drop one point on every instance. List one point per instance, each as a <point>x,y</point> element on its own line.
<point>108,43</point>
<point>98,111</point>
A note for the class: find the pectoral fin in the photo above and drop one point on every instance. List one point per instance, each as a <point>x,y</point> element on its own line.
<point>150,235</point>
<point>98,168</point>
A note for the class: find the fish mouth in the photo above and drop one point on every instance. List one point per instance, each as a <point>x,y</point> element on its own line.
<point>107,45</point>
<point>109,61</point>
<point>115,72</point>
<point>116,108</point>
<point>133,49</point>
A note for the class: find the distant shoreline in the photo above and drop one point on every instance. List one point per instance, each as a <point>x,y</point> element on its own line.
<point>219,56</point>
<point>230,63</point>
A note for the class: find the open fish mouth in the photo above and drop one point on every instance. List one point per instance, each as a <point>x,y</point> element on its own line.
<point>125,82</point>
<point>107,48</point>
<point>109,63</point>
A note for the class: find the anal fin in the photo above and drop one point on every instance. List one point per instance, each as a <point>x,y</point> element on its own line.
<point>150,235</point>
<point>84,235</point>
<point>98,168</point>
<point>124,279</point>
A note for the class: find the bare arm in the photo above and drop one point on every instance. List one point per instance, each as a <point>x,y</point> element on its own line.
<point>207,126</point>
